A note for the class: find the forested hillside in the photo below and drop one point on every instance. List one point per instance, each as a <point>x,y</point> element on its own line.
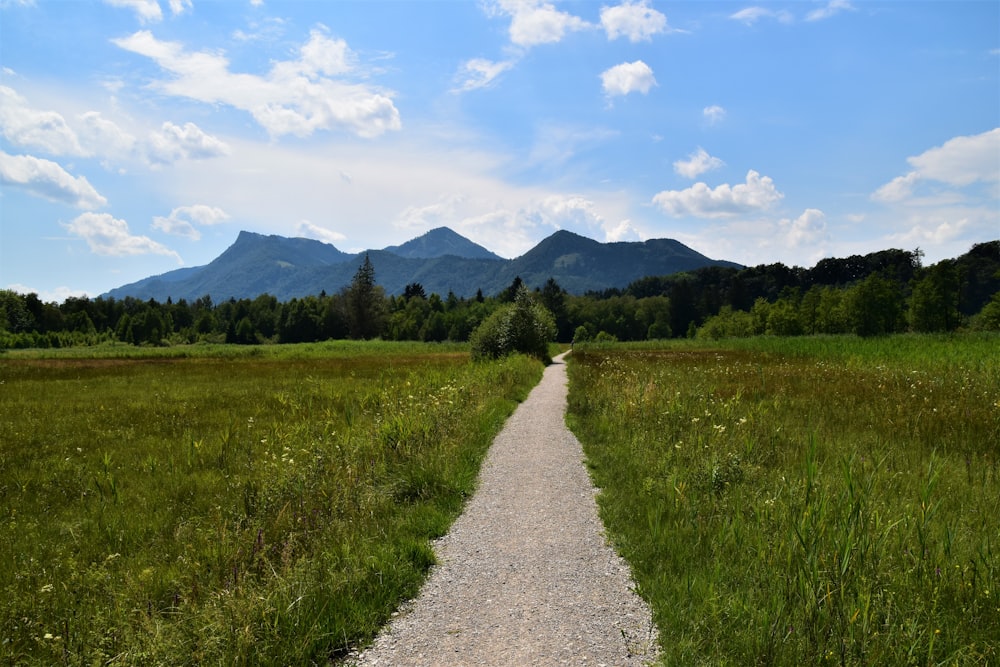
<point>879,293</point>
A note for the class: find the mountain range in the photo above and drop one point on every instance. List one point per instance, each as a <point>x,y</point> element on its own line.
<point>441,261</point>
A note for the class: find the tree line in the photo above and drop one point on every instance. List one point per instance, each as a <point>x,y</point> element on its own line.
<point>879,293</point>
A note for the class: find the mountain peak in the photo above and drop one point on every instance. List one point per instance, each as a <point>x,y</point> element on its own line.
<point>441,242</point>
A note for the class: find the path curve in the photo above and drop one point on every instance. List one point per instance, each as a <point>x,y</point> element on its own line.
<point>525,575</point>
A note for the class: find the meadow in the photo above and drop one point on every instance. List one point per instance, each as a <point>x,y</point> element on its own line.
<point>230,505</point>
<point>803,501</point>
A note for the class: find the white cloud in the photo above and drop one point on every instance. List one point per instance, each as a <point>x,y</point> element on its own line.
<point>627,78</point>
<point>635,20</point>
<point>439,214</point>
<point>714,114</point>
<point>757,194</point>
<point>28,127</point>
<point>832,8</point>
<point>621,231</point>
<point>147,11</point>
<point>959,162</point>
<point>109,236</point>
<point>182,220</point>
<point>480,73</point>
<point>105,137</point>
<point>296,97</point>
<point>309,230</point>
<point>808,229</point>
<point>47,179</point>
<point>963,160</point>
<point>56,295</point>
<point>180,6</point>
<point>697,164</point>
<point>897,189</point>
<point>174,143</point>
<point>535,22</point>
<point>751,15</point>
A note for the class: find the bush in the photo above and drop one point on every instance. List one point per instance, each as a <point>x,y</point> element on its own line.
<point>523,326</point>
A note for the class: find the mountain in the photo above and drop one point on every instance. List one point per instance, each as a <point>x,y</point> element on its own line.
<point>441,242</point>
<point>441,261</point>
<point>580,264</point>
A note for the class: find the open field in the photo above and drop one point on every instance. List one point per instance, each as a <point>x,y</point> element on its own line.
<point>803,501</point>
<point>230,505</point>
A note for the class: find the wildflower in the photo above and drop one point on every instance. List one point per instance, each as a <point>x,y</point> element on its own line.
<point>48,635</point>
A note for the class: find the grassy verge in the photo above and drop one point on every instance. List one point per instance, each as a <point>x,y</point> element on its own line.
<point>806,501</point>
<point>232,505</point>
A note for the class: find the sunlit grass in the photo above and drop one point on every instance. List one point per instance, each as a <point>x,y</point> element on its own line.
<point>230,505</point>
<point>807,501</point>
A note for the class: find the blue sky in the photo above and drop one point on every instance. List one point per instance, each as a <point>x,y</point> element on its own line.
<point>138,136</point>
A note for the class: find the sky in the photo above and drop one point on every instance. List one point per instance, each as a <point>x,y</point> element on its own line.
<point>141,136</point>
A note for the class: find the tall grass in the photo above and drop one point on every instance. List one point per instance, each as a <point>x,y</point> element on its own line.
<point>809,501</point>
<point>235,506</point>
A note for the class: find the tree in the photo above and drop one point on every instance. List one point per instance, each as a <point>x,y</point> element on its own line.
<point>365,303</point>
<point>935,298</point>
<point>524,326</point>
<point>414,291</point>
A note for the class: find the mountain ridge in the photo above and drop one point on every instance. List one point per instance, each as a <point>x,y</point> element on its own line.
<point>441,260</point>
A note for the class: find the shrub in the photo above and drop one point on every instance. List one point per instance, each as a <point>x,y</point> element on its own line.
<point>524,326</point>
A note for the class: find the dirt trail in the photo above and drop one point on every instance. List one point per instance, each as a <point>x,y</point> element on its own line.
<point>525,576</point>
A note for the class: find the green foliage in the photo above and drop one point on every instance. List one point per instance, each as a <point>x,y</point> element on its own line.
<point>877,294</point>
<point>365,303</point>
<point>230,505</point>
<point>524,326</point>
<point>989,318</point>
<point>807,501</point>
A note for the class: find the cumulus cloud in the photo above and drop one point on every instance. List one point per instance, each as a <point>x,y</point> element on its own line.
<point>179,6</point>
<point>105,137</point>
<point>627,78</point>
<point>91,134</point>
<point>32,128</point>
<point>751,15</point>
<point>832,8</point>
<point>697,164</point>
<point>312,231</point>
<point>959,162</point>
<point>297,97</point>
<point>713,114</point>
<point>635,20</point>
<point>480,73</point>
<point>757,194</point>
<point>47,179</point>
<point>172,143</point>
<point>621,231</point>
<point>182,220</point>
<point>897,189</point>
<point>535,22</point>
<point>147,11</point>
<point>109,236</point>
<point>807,229</point>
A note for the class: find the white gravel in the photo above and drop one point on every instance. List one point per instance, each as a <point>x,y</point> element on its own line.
<point>525,577</point>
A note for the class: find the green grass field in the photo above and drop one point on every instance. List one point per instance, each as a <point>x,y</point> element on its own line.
<point>803,501</point>
<point>224,505</point>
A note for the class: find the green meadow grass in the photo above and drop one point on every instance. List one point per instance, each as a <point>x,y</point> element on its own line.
<point>803,501</point>
<point>230,505</point>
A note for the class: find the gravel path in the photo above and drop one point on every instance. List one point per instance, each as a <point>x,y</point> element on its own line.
<point>525,576</point>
